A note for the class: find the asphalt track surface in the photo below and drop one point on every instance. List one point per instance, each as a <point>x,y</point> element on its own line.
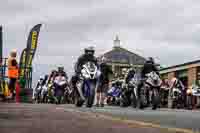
<point>46,118</point>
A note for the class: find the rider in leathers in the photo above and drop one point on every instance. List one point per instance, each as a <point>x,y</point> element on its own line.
<point>148,67</point>
<point>88,56</point>
<point>131,74</point>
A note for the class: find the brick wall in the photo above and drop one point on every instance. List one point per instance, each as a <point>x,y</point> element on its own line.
<point>192,75</point>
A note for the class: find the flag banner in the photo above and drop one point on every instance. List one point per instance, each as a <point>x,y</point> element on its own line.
<point>32,43</point>
<point>22,63</point>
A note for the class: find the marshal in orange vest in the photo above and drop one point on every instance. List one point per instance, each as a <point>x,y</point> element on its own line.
<point>13,71</point>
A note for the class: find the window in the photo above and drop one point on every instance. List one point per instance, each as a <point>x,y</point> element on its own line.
<point>198,74</point>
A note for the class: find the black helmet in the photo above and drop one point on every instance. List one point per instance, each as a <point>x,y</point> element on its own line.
<point>151,60</point>
<point>46,76</point>
<point>89,51</point>
<point>60,69</point>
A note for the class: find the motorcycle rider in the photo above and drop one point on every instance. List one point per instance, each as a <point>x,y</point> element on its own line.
<point>131,74</point>
<point>149,66</point>
<point>104,82</point>
<point>88,56</point>
<point>39,84</point>
<point>60,84</point>
<point>52,76</point>
<point>164,92</point>
<point>61,70</point>
<point>175,82</point>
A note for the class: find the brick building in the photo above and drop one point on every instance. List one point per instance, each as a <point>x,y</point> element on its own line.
<point>188,72</point>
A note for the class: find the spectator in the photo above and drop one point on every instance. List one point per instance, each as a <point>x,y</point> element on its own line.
<point>12,72</point>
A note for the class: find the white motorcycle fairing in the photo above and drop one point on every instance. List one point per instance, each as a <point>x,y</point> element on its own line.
<point>153,79</point>
<point>89,72</point>
<point>196,91</point>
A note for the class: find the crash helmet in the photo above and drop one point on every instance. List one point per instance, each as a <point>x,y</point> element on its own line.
<point>41,78</point>
<point>104,59</point>
<point>89,50</point>
<point>151,60</point>
<point>60,69</point>
<point>46,76</point>
<point>53,72</point>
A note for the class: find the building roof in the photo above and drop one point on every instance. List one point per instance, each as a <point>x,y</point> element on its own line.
<point>123,56</point>
<point>181,66</point>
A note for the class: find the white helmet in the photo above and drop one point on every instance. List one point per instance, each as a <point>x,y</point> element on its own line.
<point>41,78</point>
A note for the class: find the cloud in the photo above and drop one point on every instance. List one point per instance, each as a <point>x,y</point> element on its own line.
<point>167,30</point>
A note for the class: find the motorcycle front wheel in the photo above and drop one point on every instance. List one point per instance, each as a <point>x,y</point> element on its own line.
<point>142,101</point>
<point>155,99</point>
<point>90,99</point>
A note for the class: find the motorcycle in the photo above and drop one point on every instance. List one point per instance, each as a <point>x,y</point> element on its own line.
<point>152,85</point>
<point>176,98</point>
<point>114,95</point>
<point>129,95</point>
<point>37,94</point>
<point>44,93</point>
<point>193,92</point>
<point>68,95</point>
<point>50,94</point>
<point>60,84</point>
<point>164,93</point>
<point>86,86</point>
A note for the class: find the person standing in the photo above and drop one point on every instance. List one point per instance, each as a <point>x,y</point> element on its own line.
<point>103,82</point>
<point>13,72</point>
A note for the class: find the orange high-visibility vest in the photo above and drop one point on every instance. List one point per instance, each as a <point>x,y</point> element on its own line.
<point>13,71</point>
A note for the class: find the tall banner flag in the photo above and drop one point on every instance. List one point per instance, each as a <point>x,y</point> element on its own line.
<point>1,51</point>
<point>32,45</point>
<point>22,63</point>
<point>1,43</point>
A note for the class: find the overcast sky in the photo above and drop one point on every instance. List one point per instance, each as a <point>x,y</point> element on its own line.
<point>168,30</point>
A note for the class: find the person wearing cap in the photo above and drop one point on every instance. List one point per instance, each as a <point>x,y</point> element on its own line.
<point>13,71</point>
<point>103,82</point>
